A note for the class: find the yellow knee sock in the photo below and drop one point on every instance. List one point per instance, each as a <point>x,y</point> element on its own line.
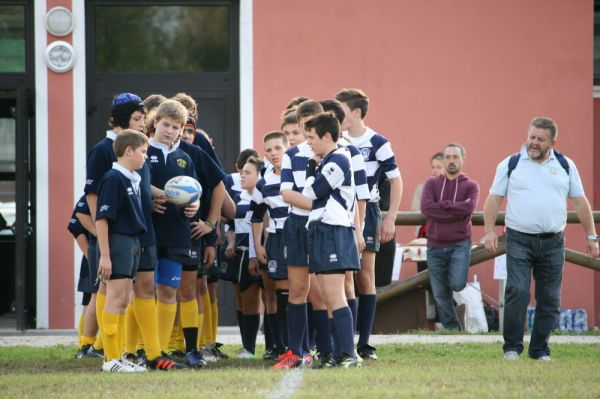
<point>166,316</point>
<point>214,310</point>
<point>131,330</point>
<point>146,316</point>
<point>98,344</point>
<point>199,342</point>
<point>207,330</point>
<point>110,333</point>
<point>80,329</point>
<point>87,340</point>
<point>100,303</point>
<point>121,332</point>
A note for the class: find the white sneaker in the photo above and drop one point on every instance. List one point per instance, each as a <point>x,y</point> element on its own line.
<point>544,358</point>
<point>136,367</point>
<point>511,355</point>
<point>244,354</point>
<point>117,366</point>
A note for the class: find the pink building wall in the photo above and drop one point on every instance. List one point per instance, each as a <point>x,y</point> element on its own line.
<point>437,71</point>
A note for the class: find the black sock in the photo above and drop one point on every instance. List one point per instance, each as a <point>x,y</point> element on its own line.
<point>190,334</point>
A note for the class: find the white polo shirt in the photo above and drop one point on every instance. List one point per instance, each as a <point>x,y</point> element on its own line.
<point>537,193</point>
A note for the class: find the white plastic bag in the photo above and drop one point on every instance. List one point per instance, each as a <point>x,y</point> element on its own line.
<point>475,321</point>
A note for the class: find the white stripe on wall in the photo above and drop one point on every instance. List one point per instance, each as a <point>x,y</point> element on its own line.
<point>246,76</point>
<point>41,173</point>
<point>79,130</point>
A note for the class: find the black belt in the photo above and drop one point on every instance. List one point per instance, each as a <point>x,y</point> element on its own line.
<point>541,236</point>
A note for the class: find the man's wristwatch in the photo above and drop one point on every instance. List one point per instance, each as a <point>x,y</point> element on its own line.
<point>593,237</point>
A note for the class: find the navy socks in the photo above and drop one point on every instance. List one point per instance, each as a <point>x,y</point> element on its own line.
<point>366,314</point>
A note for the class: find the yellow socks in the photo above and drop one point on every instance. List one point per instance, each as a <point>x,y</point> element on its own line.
<point>121,333</point>
<point>80,329</point>
<point>214,310</point>
<point>147,320</point>
<point>100,303</point>
<point>110,333</point>
<point>131,330</point>
<point>207,330</point>
<point>98,344</point>
<point>166,316</point>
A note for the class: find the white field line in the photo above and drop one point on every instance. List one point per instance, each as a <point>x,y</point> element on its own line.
<point>289,384</point>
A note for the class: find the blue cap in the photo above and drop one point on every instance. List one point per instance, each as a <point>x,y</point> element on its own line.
<point>126,98</point>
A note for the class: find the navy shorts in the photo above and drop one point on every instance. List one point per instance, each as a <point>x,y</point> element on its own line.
<point>85,283</point>
<point>295,250</point>
<point>276,263</point>
<point>195,260</point>
<point>125,253</point>
<point>93,265</point>
<point>227,268</point>
<point>331,248</point>
<point>148,259</point>
<point>371,230</point>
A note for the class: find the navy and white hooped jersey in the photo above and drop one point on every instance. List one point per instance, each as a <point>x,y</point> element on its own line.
<point>293,172</point>
<point>379,157</point>
<point>332,190</point>
<point>99,161</point>
<point>173,227</point>
<point>266,197</point>
<point>119,202</point>
<point>358,171</point>
<point>242,224</point>
<point>233,185</point>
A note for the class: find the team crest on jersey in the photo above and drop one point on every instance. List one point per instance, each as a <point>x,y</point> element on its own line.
<point>181,162</point>
<point>153,159</point>
<point>366,153</point>
<point>330,171</point>
<point>129,191</point>
<point>553,171</point>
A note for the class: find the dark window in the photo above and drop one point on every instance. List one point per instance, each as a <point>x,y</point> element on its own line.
<point>162,39</point>
<point>12,39</point>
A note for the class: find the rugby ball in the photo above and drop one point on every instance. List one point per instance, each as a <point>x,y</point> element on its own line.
<point>182,190</point>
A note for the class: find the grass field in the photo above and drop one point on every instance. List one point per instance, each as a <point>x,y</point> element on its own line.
<point>443,371</point>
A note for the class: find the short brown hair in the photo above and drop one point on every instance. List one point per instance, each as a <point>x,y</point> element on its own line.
<point>354,98</point>
<point>153,101</point>
<point>128,138</point>
<point>463,152</point>
<point>172,109</point>
<point>334,106</point>
<point>294,102</point>
<point>258,164</point>
<point>325,122</point>
<point>542,122</point>
<point>308,108</point>
<point>188,102</point>
<point>289,117</point>
<point>277,135</point>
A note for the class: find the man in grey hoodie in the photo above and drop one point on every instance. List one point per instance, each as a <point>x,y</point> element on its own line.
<point>448,201</point>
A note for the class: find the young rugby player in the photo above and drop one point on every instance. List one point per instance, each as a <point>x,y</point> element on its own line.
<point>332,246</point>
<point>273,267</point>
<point>173,232</point>
<point>379,157</point>
<point>119,223</point>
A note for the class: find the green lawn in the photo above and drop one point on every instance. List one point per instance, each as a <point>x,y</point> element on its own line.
<point>445,371</point>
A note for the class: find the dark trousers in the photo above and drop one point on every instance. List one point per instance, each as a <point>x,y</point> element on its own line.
<point>448,271</point>
<point>545,257</point>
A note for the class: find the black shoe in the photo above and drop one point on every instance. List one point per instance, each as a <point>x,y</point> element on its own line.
<point>348,361</point>
<point>218,352</point>
<point>177,356</point>
<point>93,352</point>
<point>327,362</point>
<point>140,356</point>
<point>270,355</point>
<point>366,352</point>
<point>194,359</point>
<point>83,351</point>
<point>165,363</point>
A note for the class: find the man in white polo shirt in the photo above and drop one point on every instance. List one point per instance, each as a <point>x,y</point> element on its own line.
<point>536,183</point>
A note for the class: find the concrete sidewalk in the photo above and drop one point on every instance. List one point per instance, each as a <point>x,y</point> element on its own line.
<point>230,336</point>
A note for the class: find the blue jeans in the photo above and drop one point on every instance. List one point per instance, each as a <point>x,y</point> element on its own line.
<point>448,270</point>
<point>545,257</point>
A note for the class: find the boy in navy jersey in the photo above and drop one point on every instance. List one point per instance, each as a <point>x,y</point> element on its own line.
<point>119,223</point>
<point>379,157</point>
<point>273,267</point>
<point>173,233</point>
<point>211,177</point>
<point>127,112</point>
<point>332,246</point>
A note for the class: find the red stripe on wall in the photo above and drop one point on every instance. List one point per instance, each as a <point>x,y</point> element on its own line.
<point>60,195</point>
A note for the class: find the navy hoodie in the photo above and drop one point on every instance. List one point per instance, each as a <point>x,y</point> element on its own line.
<point>448,205</point>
